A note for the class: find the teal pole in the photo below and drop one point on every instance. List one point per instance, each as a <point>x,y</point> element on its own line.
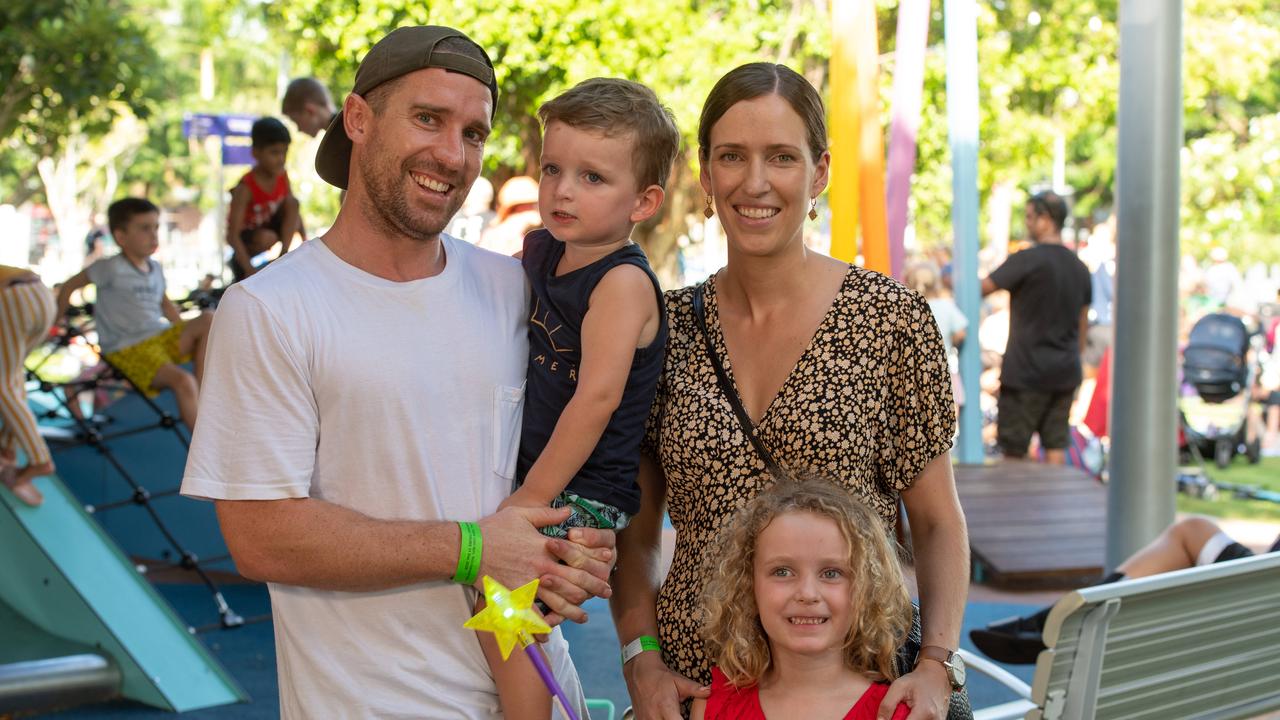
<point>961,28</point>
<point>1140,502</point>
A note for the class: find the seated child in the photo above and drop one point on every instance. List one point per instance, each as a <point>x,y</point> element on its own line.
<point>598,327</point>
<point>263,209</point>
<point>139,329</point>
<point>26,312</point>
<point>806,608</point>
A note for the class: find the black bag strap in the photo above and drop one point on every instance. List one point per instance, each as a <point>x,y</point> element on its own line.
<point>726,387</point>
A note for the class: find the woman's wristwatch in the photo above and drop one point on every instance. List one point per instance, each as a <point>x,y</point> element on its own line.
<point>951,662</point>
<point>639,645</point>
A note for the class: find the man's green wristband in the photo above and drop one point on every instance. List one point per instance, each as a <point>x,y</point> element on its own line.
<point>639,645</point>
<point>469,550</point>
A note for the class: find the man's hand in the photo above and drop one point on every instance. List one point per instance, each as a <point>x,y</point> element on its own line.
<point>515,552</point>
<point>586,559</point>
<point>926,690</point>
<point>656,692</point>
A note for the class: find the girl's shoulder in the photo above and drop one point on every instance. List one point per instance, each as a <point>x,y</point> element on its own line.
<point>727,702</point>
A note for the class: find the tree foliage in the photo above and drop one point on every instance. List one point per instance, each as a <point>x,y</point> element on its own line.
<point>76,69</point>
<point>67,67</point>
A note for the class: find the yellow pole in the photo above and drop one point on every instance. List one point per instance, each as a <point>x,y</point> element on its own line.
<point>844,121</point>
<point>857,175</point>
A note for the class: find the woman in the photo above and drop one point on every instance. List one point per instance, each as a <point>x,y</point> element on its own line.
<point>26,312</point>
<point>840,371</point>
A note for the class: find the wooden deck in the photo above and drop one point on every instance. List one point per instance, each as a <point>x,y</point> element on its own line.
<point>1033,525</point>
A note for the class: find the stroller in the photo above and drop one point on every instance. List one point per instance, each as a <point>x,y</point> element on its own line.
<point>1217,367</point>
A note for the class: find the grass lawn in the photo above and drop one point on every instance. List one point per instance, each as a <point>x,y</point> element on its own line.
<point>1264,475</point>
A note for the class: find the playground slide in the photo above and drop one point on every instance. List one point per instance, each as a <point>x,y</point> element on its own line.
<point>62,574</point>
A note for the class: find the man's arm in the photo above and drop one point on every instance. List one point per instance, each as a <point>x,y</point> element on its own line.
<point>312,543</point>
<point>988,286</point>
<point>940,544</point>
<point>621,305</point>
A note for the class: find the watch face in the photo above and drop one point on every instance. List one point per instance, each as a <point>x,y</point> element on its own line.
<point>956,668</point>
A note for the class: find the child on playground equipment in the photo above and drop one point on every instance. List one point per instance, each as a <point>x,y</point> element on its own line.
<point>806,608</point>
<point>139,329</point>
<point>598,329</point>
<point>263,209</point>
<point>26,312</point>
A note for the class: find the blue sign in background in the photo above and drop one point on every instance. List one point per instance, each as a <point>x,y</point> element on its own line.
<point>202,125</point>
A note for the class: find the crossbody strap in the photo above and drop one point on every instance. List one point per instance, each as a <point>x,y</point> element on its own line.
<point>726,387</point>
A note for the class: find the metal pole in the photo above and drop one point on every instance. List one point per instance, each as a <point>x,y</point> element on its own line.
<point>961,28</point>
<point>1144,382</point>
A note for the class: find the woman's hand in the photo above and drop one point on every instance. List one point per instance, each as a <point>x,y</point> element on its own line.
<point>656,692</point>
<point>926,690</point>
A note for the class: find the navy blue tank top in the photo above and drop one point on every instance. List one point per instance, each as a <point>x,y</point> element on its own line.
<point>555,337</point>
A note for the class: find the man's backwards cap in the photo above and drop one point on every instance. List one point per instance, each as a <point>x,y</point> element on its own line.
<point>402,51</point>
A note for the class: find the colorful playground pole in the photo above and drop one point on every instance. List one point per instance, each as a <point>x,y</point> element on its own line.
<point>961,27</point>
<point>857,170</point>
<point>908,79</point>
<point>509,615</point>
<point>1140,496</point>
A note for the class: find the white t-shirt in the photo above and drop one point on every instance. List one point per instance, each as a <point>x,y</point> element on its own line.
<point>127,310</point>
<point>398,400</point>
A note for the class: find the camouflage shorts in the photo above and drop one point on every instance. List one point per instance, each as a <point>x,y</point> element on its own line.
<point>586,513</point>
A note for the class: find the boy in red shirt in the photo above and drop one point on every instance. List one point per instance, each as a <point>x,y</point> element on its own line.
<point>263,209</point>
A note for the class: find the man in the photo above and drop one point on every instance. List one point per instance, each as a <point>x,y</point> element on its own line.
<point>1049,296</point>
<point>308,104</point>
<point>364,393</point>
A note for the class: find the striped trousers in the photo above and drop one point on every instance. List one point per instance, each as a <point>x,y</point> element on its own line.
<point>26,312</point>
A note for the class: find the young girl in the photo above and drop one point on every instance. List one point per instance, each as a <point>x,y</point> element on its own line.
<point>806,608</point>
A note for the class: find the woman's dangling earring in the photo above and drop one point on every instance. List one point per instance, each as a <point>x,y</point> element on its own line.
<point>813,209</point>
<point>708,211</point>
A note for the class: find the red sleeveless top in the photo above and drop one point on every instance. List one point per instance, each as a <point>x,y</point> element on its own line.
<point>730,703</point>
<point>263,204</point>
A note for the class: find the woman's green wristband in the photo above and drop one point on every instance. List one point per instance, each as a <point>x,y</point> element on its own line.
<point>469,550</point>
<point>639,645</point>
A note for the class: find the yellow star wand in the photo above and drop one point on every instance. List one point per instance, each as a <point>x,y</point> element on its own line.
<point>509,615</point>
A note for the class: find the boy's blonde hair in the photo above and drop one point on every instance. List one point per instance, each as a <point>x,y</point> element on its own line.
<point>620,107</point>
<point>880,606</point>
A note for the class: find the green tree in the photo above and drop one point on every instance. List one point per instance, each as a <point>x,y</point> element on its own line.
<point>68,70</point>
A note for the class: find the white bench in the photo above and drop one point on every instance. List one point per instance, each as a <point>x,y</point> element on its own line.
<point>1197,643</point>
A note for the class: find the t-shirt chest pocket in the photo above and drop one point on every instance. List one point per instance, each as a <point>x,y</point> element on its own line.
<point>508,404</point>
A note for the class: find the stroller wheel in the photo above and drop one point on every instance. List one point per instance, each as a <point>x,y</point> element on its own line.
<point>1223,450</point>
<point>1253,450</point>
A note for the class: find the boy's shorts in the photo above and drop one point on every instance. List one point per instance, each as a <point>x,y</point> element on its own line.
<point>586,513</point>
<point>140,362</point>
<point>1021,413</point>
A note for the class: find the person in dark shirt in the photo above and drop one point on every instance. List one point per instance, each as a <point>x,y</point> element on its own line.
<point>1049,295</point>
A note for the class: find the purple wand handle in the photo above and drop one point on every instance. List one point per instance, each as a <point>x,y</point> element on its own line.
<point>548,679</point>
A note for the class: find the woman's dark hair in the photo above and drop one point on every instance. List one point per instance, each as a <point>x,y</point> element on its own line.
<point>758,79</point>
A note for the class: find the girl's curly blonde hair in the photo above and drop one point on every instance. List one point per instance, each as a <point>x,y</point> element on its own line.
<point>881,607</point>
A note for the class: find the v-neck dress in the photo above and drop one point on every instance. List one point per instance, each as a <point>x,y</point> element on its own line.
<point>868,405</point>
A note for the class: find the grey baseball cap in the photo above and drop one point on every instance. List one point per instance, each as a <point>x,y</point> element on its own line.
<point>401,52</point>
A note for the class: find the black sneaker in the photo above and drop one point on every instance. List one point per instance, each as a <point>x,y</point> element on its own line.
<point>1015,641</point>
